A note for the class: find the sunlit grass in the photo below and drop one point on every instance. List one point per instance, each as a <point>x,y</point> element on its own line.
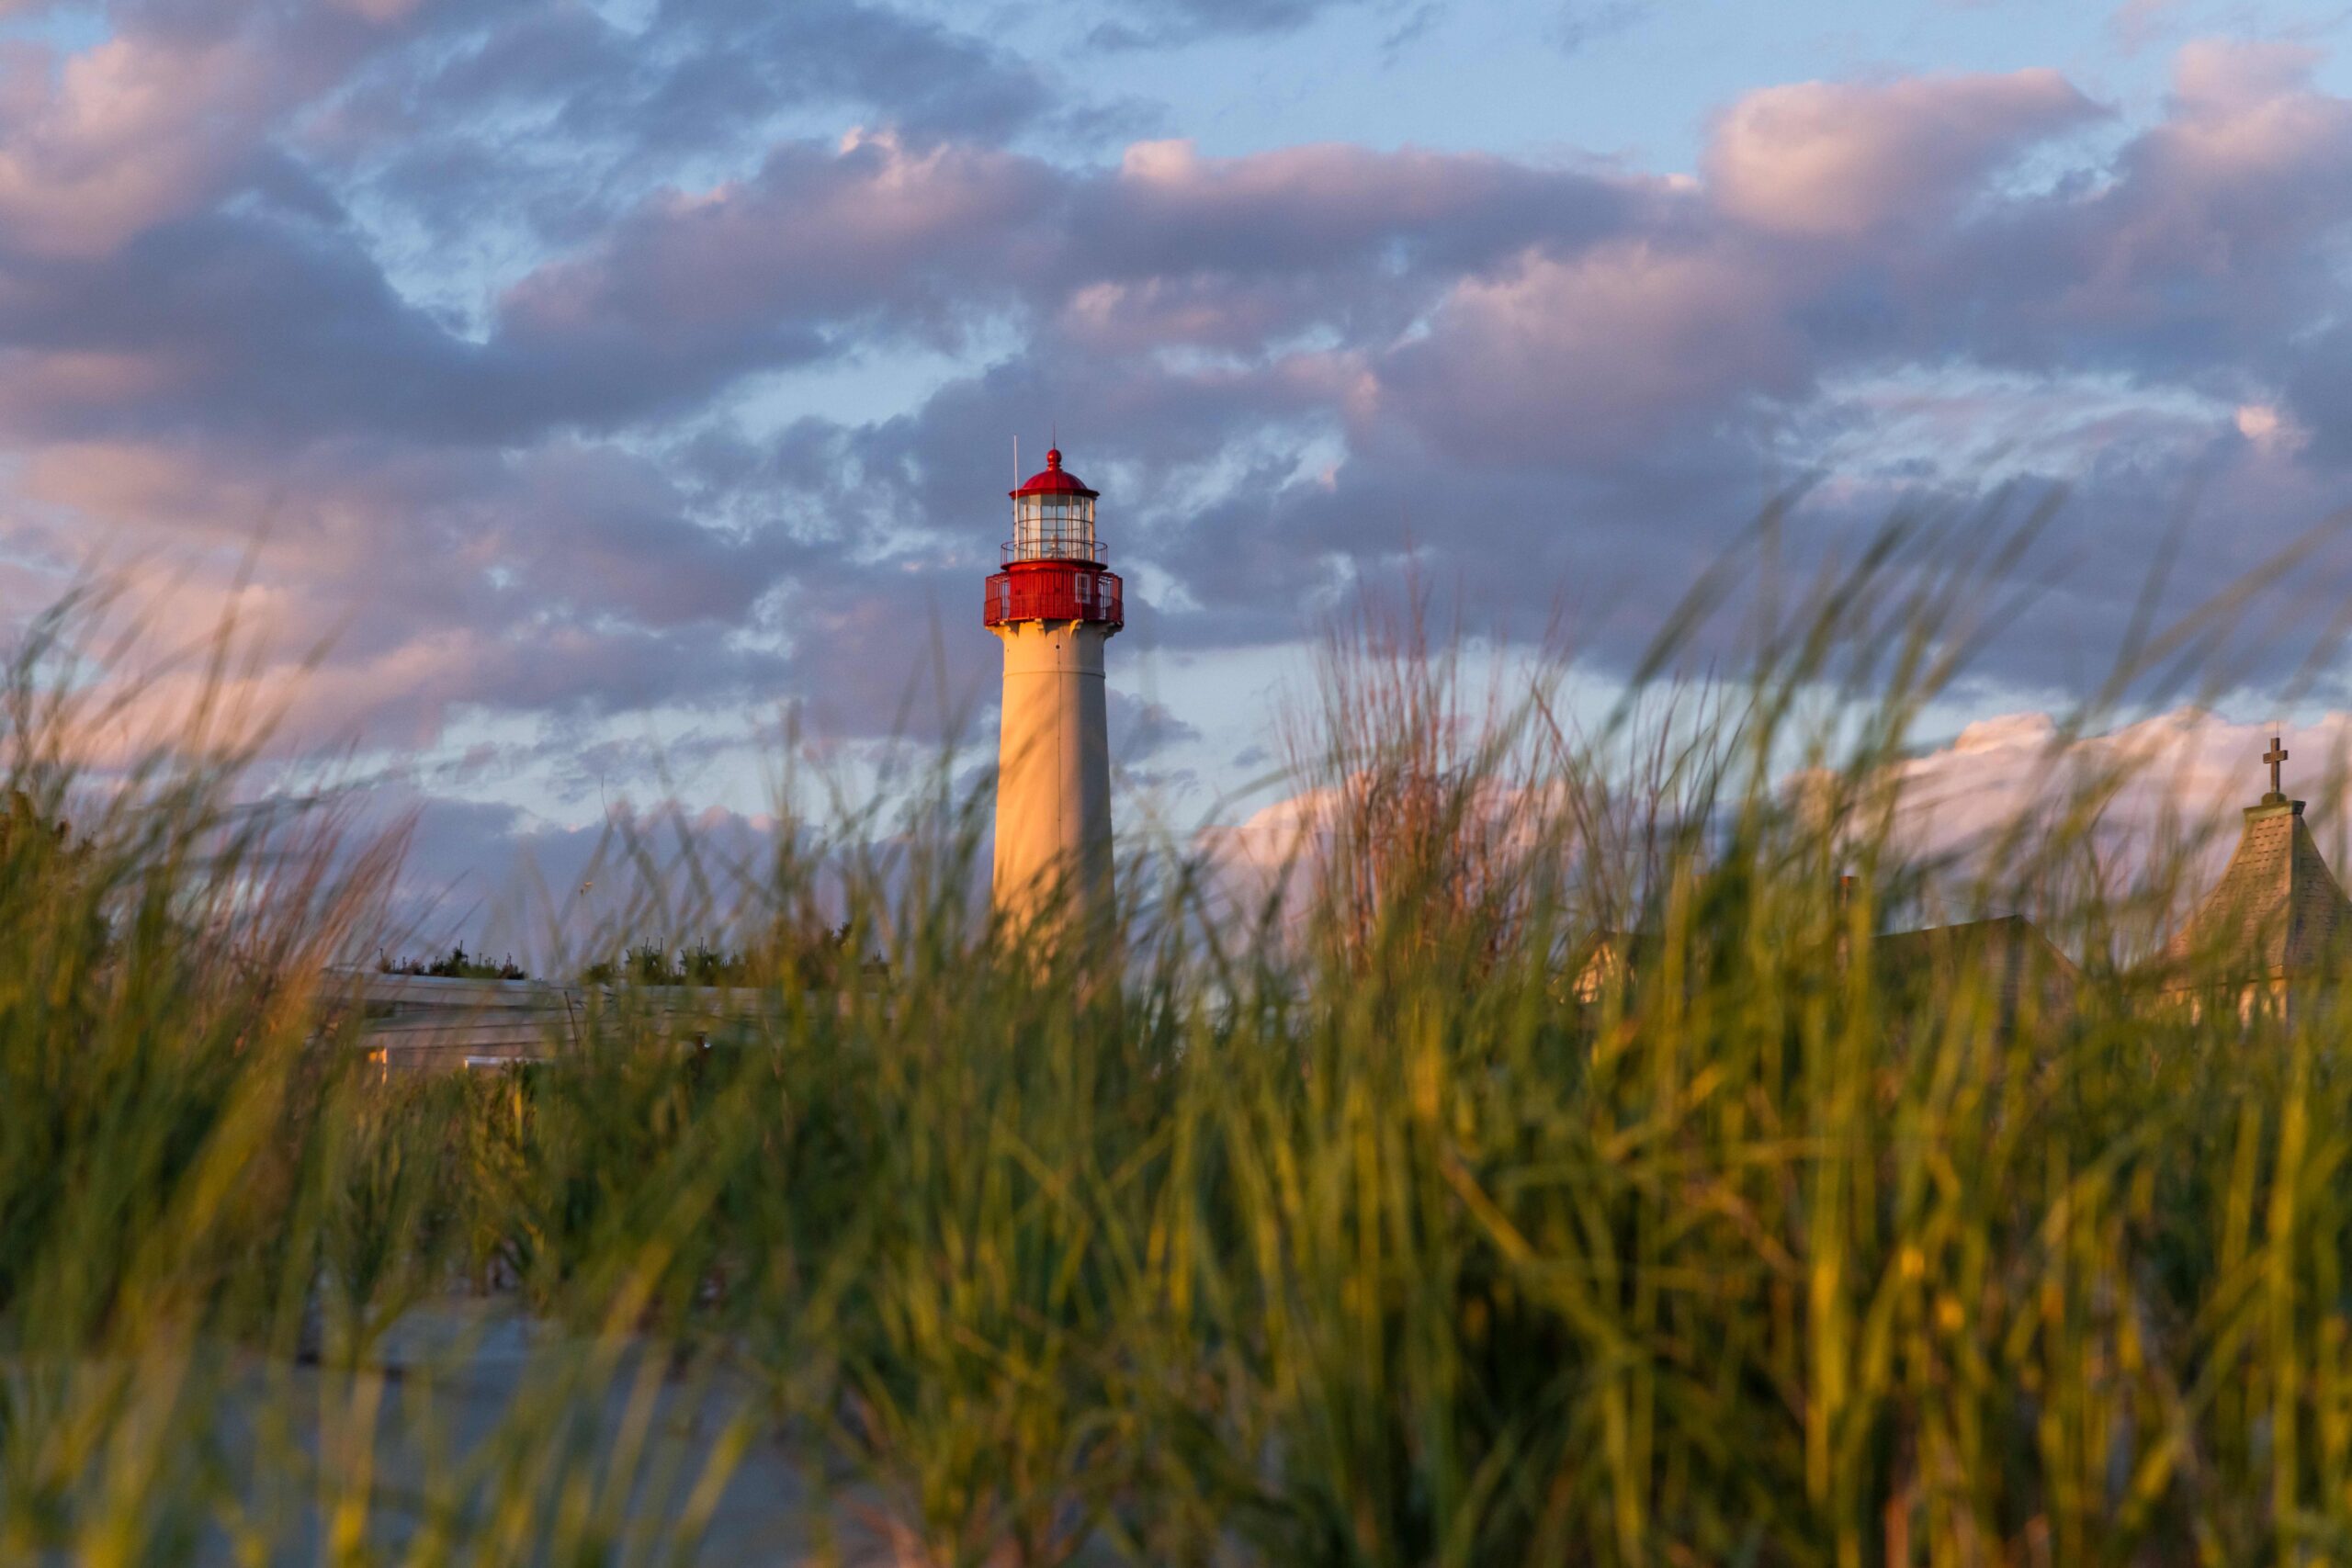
<point>1338,1226</point>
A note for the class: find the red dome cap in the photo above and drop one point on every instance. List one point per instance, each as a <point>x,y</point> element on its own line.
<point>1054,480</point>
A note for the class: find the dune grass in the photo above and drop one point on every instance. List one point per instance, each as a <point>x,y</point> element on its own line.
<point>1362,1221</point>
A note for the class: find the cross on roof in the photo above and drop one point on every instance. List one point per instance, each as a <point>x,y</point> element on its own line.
<point>2276,755</point>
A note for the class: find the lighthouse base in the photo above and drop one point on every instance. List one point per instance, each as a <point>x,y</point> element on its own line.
<point>1053,793</point>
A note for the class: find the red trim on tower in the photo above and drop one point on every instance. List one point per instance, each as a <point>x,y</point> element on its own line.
<point>1055,591</point>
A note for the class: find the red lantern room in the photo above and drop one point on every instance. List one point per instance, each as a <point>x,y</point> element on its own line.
<point>1052,564</point>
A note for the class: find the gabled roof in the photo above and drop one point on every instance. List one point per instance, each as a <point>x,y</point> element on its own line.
<point>2278,910</point>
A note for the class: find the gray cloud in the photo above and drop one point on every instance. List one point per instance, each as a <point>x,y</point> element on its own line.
<point>1580,24</point>
<point>1158,23</point>
<point>551,897</point>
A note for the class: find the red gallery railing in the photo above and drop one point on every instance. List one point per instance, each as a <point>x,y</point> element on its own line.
<point>1053,591</point>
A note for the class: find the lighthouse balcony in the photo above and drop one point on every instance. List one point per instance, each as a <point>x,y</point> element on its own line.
<point>1053,591</point>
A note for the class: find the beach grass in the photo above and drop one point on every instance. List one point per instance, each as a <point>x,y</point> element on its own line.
<point>1545,1163</point>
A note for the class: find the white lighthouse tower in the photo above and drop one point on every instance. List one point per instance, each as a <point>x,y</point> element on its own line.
<point>1054,608</point>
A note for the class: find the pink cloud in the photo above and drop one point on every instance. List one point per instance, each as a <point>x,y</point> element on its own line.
<point>876,226</point>
<point>2171,783</point>
<point>376,594</point>
<point>121,136</point>
<point>2213,221</point>
<point>1329,196</point>
<point>2184,774</point>
<point>1546,373</point>
<point>160,118</point>
<point>2251,152</point>
<point>1596,352</point>
<point>1839,159</point>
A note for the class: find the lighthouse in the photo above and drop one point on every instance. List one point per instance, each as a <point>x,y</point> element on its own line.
<point>1053,606</point>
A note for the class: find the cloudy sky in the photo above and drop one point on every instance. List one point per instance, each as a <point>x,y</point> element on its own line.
<point>605,386</point>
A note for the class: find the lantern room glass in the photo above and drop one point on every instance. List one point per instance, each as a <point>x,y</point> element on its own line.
<point>1054,525</point>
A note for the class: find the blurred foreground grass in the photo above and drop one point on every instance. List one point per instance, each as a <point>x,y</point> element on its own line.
<point>1363,1221</point>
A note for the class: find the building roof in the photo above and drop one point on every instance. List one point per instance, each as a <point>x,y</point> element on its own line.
<point>2008,953</point>
<point>2278,910</point>
<point>1054,480</point>
<point>1996,933</point>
